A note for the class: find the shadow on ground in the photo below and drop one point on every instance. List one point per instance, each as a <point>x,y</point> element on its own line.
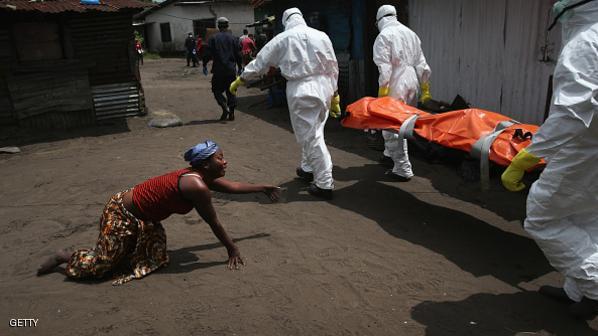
<point>498,315</point>
<point>444,176</point>
<point>472,244</point>
<point>204,122</point>
<point>17,136</point>
<point>184,260</point>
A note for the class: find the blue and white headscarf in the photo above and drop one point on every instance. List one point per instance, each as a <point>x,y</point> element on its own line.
<point>200,152</point>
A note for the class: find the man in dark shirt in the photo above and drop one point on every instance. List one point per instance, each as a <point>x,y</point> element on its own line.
<point>191,52</point>
<point>224,51</point>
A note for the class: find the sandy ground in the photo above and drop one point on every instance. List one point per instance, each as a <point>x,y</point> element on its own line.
<point>433,256</point>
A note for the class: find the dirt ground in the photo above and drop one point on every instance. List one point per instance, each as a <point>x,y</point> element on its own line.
<point>434,256</point>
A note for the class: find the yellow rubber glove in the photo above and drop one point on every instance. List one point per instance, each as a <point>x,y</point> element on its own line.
<point>335,106</point>
<point>235,85</point>
<point>425,96</point>
<point>383,91</point>
<point>511,178</point>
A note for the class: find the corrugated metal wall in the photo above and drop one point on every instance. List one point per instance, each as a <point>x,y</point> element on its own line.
<point>39,89</point>
<point>59,120</point>
<point>104,39</point>
<point>51,95</point>
<point>66,93</point>
<point>117,100</point>
<point>489,51</point>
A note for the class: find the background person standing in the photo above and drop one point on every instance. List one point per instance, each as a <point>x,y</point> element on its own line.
<point>248,49</point>
<point>139,51</point>
<point>242,37</point>
<point>199,49</point>
<point>224,51</point>
<point>190,49</point>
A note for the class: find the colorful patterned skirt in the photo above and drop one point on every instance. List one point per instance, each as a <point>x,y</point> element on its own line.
<point>125,243</point>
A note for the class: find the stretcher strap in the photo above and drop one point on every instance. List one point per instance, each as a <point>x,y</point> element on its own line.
<point>406,130</point>
<point>481,150</point>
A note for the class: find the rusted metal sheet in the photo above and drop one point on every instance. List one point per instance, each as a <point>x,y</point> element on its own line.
<point>51,95</point>
<point>105,40</point>
<point>38,41</point>
<point>57,93</point>
<point>52,89</point>
<point>59,120</point>
<point>5,49</point>
<point>117,100</point>
<point>7,116</point>
<point>344,66</point>
<point>60,6</point>
<point>493,53</point>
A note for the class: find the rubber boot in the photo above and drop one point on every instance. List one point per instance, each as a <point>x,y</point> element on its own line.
<point>225,112</point>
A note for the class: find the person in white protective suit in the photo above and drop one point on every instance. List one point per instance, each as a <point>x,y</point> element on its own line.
<point>562,205</point>
<point>306,59</point>
<point>403,71</point>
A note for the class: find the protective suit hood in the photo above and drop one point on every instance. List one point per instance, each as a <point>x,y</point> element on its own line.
<point>388,22</point>
<point>580,19</point>
<point>385,10</point>
<point>580,16</point>
<point>386,16</point>
<point>292,17</point>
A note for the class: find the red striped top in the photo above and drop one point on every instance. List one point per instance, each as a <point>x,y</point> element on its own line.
<point>160,196</point>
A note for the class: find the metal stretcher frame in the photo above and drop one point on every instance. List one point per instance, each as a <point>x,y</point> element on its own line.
<point>480,149</point>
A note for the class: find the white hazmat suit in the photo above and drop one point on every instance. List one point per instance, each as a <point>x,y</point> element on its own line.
<point>562,205</point>
<point>306,59</point>
<point>402,67</point>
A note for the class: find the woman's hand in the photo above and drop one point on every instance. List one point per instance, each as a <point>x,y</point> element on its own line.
<point>272,192</point>
<point>234,259</point>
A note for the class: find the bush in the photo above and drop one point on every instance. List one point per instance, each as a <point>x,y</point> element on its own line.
<point>149,55</point>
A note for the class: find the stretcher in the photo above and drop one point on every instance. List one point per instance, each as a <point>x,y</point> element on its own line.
<point>484,135</point>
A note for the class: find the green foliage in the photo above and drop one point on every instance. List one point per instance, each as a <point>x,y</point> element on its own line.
<point>138,36</point>
<point>149,55</point>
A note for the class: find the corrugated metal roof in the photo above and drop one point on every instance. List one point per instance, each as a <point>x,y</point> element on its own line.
<point>59,6</point>
<point>166,3</point>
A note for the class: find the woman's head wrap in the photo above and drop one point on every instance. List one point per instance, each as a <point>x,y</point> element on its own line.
<point>200,152</point>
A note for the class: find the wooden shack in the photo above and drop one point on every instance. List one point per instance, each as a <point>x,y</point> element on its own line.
<point>64,64</point>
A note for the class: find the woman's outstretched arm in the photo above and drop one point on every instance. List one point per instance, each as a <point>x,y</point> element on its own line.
<point>231,187</point>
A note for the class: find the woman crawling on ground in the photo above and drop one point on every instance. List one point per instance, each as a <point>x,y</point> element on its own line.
<point>130,231</point>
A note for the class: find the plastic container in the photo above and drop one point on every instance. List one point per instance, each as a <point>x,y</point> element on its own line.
<point>90,2</point>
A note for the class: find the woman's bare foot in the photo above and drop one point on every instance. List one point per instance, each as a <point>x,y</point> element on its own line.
<point>60,257</point>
